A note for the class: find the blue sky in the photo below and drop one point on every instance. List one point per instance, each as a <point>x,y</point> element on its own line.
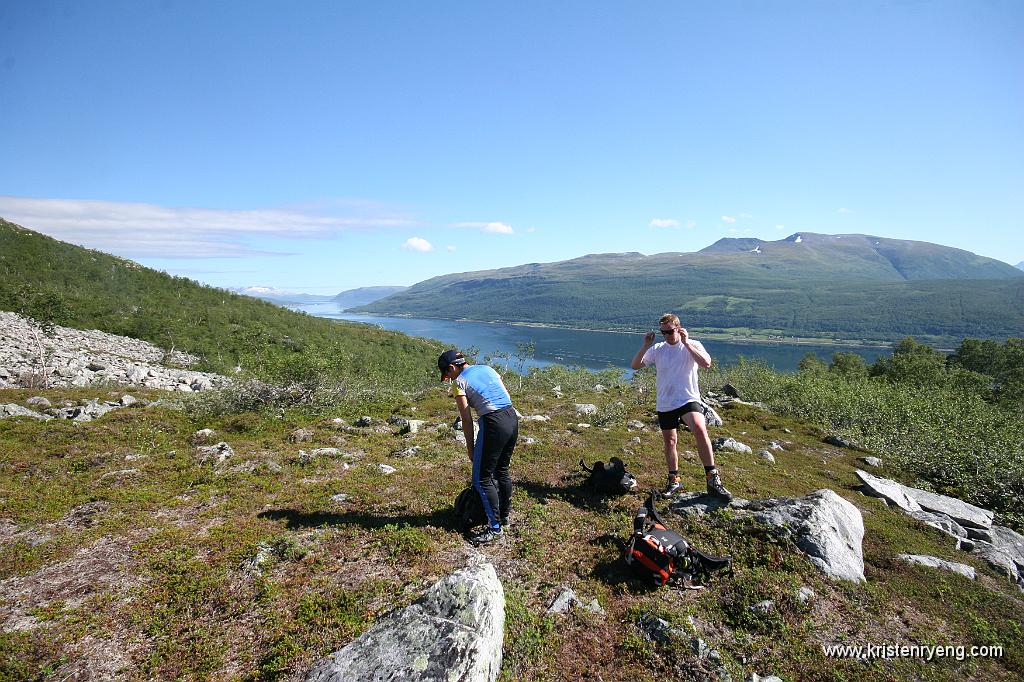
<point>321,146</point>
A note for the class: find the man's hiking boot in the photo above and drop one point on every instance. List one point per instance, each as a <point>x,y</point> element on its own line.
<point>504,522</point>
<point>674,486</point>
<point>716,488</point>
<point>487,535</point>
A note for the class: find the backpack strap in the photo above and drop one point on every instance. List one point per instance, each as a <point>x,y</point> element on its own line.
<point>640,521</point>
<point>649,505</point>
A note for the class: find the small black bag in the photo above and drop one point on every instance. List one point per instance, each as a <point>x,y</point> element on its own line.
<point>469,510</point>
<point>611,478</point>
<point>662,555</point>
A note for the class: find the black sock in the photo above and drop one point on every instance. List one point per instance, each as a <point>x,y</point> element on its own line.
<point>708,469</point>
<point>674,472</point>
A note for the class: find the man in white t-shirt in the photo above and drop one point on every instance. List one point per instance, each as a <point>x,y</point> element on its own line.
<point>677,359</point>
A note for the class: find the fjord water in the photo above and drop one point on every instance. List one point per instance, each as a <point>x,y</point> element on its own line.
<point>594,350</point>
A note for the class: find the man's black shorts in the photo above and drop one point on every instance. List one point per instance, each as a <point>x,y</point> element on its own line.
<point>671,419</point>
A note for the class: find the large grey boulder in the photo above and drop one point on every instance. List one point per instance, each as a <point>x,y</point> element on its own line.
<point>940,521</point>
<point>935,562</point>
<point>697,504</point>
<point>826,527</point>
<point>453,632</point>
<point>888,490</point>
<point>1005,553</point>
<point>962,512</point>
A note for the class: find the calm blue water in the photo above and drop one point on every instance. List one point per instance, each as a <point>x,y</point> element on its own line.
<point>591,349</point>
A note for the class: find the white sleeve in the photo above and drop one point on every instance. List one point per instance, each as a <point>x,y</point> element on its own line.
<point>648,359</point>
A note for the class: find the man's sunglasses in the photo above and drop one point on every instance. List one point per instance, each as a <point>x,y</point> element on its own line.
<point>667,332</point>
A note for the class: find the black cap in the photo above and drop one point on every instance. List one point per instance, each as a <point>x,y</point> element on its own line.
<point>449,357</point>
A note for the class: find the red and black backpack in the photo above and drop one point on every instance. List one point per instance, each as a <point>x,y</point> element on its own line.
<point>662,555</point>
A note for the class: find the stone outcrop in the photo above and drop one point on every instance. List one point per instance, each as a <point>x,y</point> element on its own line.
<point>970,525</point>
<point>935,562</point>
<point>84,412</point>
<point>730,444</point>
<point>889,490</point>
<point>826,527</point>
<point>76,357</point>
<point>453,632</point>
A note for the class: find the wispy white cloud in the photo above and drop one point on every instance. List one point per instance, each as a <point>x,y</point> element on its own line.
<point>780,227</point>
<point>450,247</point>
<point>147,230</point>
<point>728,219</point>
<point>745,215</point>
<point>531,230</point>
<point>417,244</point>
<point>492,227</point>
<point>673,223</point>
<point>845,211</point>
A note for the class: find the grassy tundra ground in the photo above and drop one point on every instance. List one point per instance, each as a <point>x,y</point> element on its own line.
<point>122,555</point>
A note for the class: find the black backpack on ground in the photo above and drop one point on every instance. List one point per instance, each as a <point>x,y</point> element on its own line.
<point>660,555</point>
<point>469,510</point>
<point>611,478</point>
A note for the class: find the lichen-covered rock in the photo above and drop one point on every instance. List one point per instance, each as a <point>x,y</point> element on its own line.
<point>453,632</point>
<point>935,562</point>
<point>888,490</point>
<point>912,499</point>
<point>302,435</point>
<point>217,454</point>
<point>13,410</point>
<point>941,522</point>
<point>826,527</point>
<point>731,444</point>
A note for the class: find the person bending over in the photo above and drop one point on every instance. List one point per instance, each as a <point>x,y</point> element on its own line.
<point>480,387</point>
<point>677,359</point>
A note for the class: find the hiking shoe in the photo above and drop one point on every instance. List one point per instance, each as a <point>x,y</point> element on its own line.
<point>716,488</point>
<point>674,485</point>
<point>504,521</point>
<point>486,536</point>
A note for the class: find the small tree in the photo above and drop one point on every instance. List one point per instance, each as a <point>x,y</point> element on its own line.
<point>43,309</point>
<point>914,364</point>
<point>848,365</point>
<point>810,363</point>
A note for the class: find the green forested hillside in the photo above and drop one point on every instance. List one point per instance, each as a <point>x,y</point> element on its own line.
<point>119,296</point>
<point>850,286</point>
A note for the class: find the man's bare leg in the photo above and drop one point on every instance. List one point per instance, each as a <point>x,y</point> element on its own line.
<point>670,438</point>
<point>699,428</point>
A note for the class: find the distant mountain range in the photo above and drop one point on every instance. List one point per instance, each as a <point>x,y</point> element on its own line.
<point>279,295</point>
<point>364,295</point>
<point>1021,265</point>
<point>346,299</point>
<point>849,286</point>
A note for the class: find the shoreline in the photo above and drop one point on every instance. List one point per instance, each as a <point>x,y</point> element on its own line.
<point>715,336</point>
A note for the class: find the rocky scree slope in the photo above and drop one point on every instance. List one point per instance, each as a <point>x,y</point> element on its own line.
<point>75,357</point>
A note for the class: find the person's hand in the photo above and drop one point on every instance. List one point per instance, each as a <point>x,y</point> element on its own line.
<point>683,334</point>
<point>649,338</point>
